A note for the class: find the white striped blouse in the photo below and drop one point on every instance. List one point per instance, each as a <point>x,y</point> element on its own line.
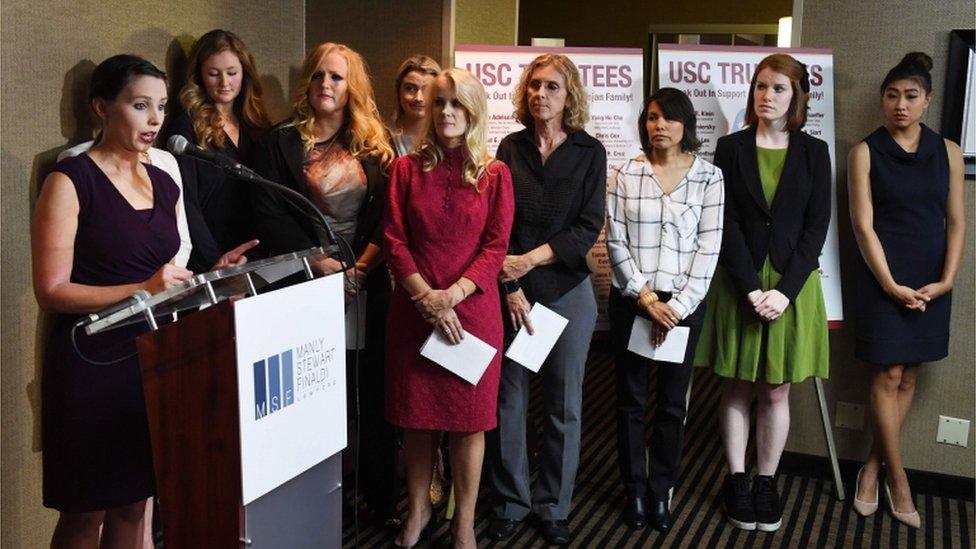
<point>668,242</point>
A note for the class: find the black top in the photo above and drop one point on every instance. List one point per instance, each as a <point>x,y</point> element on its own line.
<point>218,207</point>
<point>792,230</point>
<point>560,203</point>
<point>285,226</point>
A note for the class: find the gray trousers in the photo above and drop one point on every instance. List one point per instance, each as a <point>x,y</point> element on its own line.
<point>562,393</point>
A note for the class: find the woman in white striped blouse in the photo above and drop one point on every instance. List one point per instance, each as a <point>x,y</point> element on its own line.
<point>664,231</point>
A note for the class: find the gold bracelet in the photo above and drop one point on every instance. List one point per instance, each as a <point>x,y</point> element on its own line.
<point>646,300</point>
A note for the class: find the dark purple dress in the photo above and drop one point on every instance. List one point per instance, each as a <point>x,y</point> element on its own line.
<point>96,438</point>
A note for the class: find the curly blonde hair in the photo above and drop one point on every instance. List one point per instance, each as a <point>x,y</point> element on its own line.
<point>577,111</point>
<point>363,129</point>
<point>204,115</point>
<point>471,94</point>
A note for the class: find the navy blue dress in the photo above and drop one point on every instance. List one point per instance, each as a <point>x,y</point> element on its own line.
<point>909,193</point>
<point>97,453</point>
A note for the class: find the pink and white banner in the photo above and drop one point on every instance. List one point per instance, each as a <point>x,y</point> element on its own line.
<point>614,79</point>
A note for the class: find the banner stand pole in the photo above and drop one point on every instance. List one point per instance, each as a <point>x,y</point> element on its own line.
<point>829,436</point>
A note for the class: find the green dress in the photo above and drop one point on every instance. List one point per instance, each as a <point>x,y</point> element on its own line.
<point>737,343</point>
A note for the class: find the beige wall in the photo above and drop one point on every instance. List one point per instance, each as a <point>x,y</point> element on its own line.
<point>47,58</point>
<point>624,23</point>
<point>868,38</point>
<point>471,17</point>
<point>384,33</point>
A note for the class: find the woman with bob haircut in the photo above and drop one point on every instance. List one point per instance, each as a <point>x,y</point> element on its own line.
<point>446,229</point>
<point>766,323</point>
<point>224,113</point>
<point>105,226</point>
<point>413,101</point>
<point>334,150</point>
<point>664,232</point>
<point>559,175</point>
<point>907,202</point>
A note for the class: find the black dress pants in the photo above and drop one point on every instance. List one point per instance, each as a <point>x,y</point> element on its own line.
<point>633,392</point>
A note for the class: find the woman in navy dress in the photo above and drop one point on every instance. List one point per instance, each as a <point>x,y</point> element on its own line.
<point>906,198</point>
<point>104,227</point>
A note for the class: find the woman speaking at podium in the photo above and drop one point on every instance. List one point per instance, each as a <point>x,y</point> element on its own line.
<point>334,151</point>
<point>104,227</point>
<point>447,226</point>
<point>225,114</point>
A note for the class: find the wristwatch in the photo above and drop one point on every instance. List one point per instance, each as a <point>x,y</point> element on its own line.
<point>511,286</point>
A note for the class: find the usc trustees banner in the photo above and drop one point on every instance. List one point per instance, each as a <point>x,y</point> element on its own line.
<point>717,79</point>
<point>614,81</point>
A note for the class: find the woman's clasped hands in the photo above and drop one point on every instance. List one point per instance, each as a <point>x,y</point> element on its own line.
<point>437,308</point>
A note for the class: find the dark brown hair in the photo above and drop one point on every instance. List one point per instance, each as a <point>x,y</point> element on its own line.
<point>675,105</point>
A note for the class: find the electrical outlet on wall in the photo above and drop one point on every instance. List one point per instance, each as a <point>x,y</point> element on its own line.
<point>953,431</point>
<point>850,415</point>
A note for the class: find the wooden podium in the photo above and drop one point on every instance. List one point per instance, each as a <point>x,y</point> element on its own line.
<point>190,374</point>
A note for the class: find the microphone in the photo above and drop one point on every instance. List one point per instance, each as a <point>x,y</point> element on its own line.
<point>179,145</point>
<point>137,297</point>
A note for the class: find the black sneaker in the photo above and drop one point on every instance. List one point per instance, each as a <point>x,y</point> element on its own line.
<point>738,502</point>
<point>769,514</point>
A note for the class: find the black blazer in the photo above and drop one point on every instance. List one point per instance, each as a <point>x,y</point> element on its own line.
<point>285,227</point>
<point>791,231</point>
<point>218,207</point>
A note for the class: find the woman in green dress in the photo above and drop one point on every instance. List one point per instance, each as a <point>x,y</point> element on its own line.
<point>766,323</point>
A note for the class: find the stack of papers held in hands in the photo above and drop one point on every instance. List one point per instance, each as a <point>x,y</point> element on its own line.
<point>468,359</point>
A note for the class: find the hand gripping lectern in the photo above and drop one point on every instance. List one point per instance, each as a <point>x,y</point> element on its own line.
<point>246,404</point>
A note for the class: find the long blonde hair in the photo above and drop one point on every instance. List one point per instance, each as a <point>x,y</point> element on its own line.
<point>365,134</point>
<point>204,115</point>
<point>471,94</point>
<point>577,111</point>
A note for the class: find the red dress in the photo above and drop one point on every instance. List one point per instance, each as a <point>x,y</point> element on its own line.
<point>439,226</point>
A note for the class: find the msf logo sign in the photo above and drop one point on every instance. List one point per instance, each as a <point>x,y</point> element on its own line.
<point>273,384</point>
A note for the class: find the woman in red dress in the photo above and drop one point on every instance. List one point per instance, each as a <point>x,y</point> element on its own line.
<point>447,225</point>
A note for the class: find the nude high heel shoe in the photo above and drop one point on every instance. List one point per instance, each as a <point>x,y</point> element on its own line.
<point>865,508</point>
<point>908,519</point>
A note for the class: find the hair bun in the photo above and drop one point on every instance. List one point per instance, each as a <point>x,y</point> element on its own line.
<point>918,58</point>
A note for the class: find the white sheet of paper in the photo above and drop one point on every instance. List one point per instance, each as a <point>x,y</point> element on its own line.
<point>672,350</point>
<point>352,330</point>
<point>468,359</point>
<point>531,350</point>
